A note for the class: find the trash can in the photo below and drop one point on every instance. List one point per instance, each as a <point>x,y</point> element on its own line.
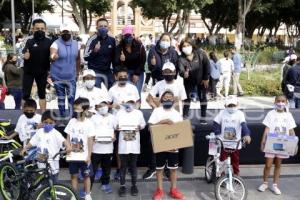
<point>188,160</point>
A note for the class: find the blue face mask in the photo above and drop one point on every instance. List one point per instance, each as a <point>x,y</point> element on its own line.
<point>48,128</point>
<point>168,104</point>
<point>102,32</point>
<point>231,110</point>
<point>128,107</point>
<point>128,39</point>
<point>164,44</point>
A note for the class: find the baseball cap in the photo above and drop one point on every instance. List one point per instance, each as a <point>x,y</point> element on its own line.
<point>127,30</point>
<point>89,72</point>
<point>231,99</point>
<point>65,27</point>
<point>169,65</point>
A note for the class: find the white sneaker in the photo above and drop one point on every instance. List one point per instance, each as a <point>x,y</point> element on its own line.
<point>275,189</point>
<point>88,197</point>
<point>263,187</point>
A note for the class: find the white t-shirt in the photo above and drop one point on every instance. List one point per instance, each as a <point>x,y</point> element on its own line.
<point>119,95</point>
<point>231,128</point>
<point>26,127</point>
<point>94,96</point>
<point>176,87</point>
<point>50,142</point>
<point>160,114</point>
<point>100,122</point>
<point>226,65</point>
<point>79,132</point>
<point>279,123</point>
<point>135,118</point>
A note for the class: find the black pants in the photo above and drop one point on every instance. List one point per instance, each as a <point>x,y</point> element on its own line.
<point>213,86</point>
<point>131,161</point>
<point>105,161</point>
<point>147,79</point>
<point>189,86</point>
<point>41,82</point>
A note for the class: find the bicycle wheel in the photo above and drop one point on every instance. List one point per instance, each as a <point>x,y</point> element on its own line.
<point>58,191</point>
<point>222,191</point>
<point>10,186</point>
<point>210,170</point>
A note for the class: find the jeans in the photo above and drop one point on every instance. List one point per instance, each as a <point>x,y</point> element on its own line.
<point>17,94</point>
<point>213,86</point>
<point>131,160</point>
<point>140,82</point>
<point>105,161</point>
<point>63,89</point>
<point>105,77</point>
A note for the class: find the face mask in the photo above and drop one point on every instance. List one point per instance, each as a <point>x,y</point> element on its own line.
<point>187,50</point>
<point>29,115</point>
<point>39,35</point>
<point>231,110</point>
<point>66,37</point>
<point>103,110</point>
<point>123,81</point>
<point>164,44</point>
<point>77,115</point>
<point>48,127</point>
<point>13,62</point>
<point>89,84</point>
<point>169,78</point>
<point>280,106</point>
<point>128,40</point>
<point>128,107</point>
<point>102,32</point>
<point>167,104</point>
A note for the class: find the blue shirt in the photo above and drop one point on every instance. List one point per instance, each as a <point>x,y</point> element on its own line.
<point>237,60</point>
<point>215,70</point>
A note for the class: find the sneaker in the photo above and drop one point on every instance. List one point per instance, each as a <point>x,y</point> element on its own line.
<point>149,174</point>
<point>263,187</point>
<point>117,175</point>
<point>82,194</point>
<point>203,122</point>
<point>88,197</point>
<point>106,188</point>
<point>122,191</point>
<point>158,195</point>
<point>176,194</point>
<point>167,173</point>
<point>275,189</point>
<point>134,191</point>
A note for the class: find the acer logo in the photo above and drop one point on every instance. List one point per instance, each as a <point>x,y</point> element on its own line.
<point>172,136</point>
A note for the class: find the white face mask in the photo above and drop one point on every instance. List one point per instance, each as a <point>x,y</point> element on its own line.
<point>187,50</point>
<point>231,110</point>
<point>89,84</point>
<point>103,110</point>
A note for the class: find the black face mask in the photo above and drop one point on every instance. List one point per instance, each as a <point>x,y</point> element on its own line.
<point>169,78</point>
<point>167,104</point>
<point>29,115</point>
<point>128,40</point>
<point>39,35</point>
<point>13,62</point>
<point>123,80</point>
<point>77,115</point>
<point>66,37</point>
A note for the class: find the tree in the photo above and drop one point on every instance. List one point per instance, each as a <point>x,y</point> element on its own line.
<point>23,11</point>
<point>84,10</point>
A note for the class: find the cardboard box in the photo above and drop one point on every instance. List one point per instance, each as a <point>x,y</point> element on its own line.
<point>170,137</point>
<point>281,144</point>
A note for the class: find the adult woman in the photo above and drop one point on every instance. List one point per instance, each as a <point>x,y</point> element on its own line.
<point>215,73</point>
<point>131,54</point>
<point>194,68</point>
<point>65,56</point>
<point>161,53</point>
<point>13,78</point>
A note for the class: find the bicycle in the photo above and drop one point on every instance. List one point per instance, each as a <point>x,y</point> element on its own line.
<point>227,185</point>
<point>16,184</point>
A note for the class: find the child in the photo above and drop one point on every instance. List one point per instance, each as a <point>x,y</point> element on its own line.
<point>3,91</point>
<point>49,140</point>
<point>27,123</point>
<point>278,121</point>
<point>80,131</point>
<point>129,121</point>
<point>230,124</point>
<point>166,114</point>
<point>103,151</point>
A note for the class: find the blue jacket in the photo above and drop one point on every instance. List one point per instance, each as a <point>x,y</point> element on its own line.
<point>293,75</point>
<point>237,60</point>
<point>171,56</point>
<point>100,61</point>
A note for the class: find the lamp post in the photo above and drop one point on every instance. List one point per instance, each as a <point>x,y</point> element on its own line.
<point>62,11</point>
<point>32,9</point>
<point>13,24</point>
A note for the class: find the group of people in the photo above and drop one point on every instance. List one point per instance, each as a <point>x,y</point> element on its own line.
<point>109,98</point>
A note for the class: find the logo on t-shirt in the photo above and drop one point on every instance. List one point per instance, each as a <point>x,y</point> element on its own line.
<point>230,133</point>
<point>77,144</point>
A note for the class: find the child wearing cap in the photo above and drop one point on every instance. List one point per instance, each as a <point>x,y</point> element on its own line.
<point>169,83</point>
<point>129,121</point>
<point>102,143</point>
<point>231,125</point>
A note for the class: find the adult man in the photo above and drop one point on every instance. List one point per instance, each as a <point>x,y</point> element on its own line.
<point>226,66</point>
<point>36,55</point>
<point>237,61</point>
<point>293,79</point>
<point>99,54</point>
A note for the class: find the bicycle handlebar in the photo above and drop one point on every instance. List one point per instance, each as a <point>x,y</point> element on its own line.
<point>219,139</point>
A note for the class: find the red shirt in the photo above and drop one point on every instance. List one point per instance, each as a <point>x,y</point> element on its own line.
<point>3,91</point>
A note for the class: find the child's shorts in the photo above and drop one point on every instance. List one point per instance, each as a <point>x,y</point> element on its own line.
<point>167,158</point>
<point>86,170</point>
<point>272,155</point>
